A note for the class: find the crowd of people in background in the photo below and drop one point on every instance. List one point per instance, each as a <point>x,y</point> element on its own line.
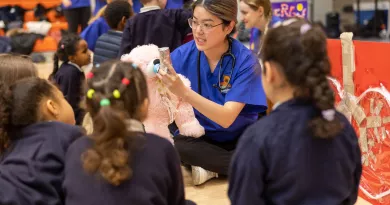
<point>303,151</point>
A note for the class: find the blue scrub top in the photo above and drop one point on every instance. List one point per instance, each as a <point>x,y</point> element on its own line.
<point>254,41</point>
<point>94,31</point>
<point>245,80</point>
<point>78,4</point>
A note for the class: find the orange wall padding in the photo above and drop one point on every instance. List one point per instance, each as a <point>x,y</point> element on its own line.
<point>30,4</point>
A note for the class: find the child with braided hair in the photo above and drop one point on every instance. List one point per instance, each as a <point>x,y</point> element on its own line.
<point>119,159</point>
<point>304,152</point>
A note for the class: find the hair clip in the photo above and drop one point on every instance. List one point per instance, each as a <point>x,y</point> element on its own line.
<point>105,102</point>
<point>90,93</point>
<point>125,81</point>
<point>134,66</point>
<point>90,75</point>
<point>328,114</point>
<point>116,94</point>
<point>305,28</point>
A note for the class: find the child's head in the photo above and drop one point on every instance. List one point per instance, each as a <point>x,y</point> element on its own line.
<point>15,67</point>
<point>71,48</point>
<point>29,101</point>
<point>117,91</point>
<point>161,3</point>
<point>117,13</point>
<point>296,64</point>
<point>100,13</point>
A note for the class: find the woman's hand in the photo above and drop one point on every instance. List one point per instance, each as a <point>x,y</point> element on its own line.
<point>66,3</point>
<point>173,81</point>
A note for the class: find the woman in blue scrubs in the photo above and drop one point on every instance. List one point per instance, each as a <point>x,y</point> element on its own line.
<point>257,16</point>
<point>226,92</point>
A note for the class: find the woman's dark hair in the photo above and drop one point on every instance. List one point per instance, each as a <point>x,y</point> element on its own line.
<point>116,92</point>
<point>19,105</point>
<point>14,67</point>
<point>301,51</point>
<point>226,10</point>
<point>66,47</point>
<point>115,11</point>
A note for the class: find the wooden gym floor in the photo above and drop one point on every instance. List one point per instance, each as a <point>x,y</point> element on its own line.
<point>213,192</point>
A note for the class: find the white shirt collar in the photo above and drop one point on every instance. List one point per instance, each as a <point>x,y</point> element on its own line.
<point>75,65</point>
<point>134,125</point>
<point>149,8</point>
<point>276,105</point>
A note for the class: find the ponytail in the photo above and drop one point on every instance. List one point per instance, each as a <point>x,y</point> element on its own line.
<point>325,124</point>
<point>109,155</point>
<point>116,91</point>
<point>55,67</point>
<point>305,64</point>
<point>5,112</point>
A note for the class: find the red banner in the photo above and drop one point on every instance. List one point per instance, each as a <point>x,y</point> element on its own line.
<point>367,105</point>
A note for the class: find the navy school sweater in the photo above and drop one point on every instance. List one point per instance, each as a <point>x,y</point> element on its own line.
<point>162,27</point>
<point>156,179</point>
<point>31,171</point>
<point>278,161</point>
<point>70,80</point>
<point>107,46</point>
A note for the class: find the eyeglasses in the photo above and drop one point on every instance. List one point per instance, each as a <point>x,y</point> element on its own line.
<point>205,27</point>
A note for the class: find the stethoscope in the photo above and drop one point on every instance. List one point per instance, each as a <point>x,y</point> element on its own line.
<point>222,88</point>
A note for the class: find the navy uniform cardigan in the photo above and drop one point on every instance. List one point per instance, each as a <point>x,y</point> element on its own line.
<point>32,169</point>
<point>278,161</point>
<point>70,79</point>
<point>162,27</point>
<point>156,179</point>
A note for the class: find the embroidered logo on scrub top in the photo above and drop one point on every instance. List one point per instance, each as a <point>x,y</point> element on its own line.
<point>225,82</point>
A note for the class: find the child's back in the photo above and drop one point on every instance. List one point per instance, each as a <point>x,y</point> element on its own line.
<point>34,164</point>
<point>164,28</point>
<point>155,174</point>
<point>304,152</point>
<point>118,163</point>
<point>297,167</point>
<point>33,142</point>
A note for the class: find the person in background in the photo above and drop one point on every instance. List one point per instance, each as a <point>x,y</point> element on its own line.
<point>73,52</point>
<point>99,4</point>
<point>36,129</point>
<point>107,46</point>
<point>119,163</point>
<point>304,152</point>
<point>226,90</point>
<point>97,27</point>
<point>257,16</point>
<point>15,67</point>
<point>154,25</point>
<point>77,13</point>
<point>171,4</point>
